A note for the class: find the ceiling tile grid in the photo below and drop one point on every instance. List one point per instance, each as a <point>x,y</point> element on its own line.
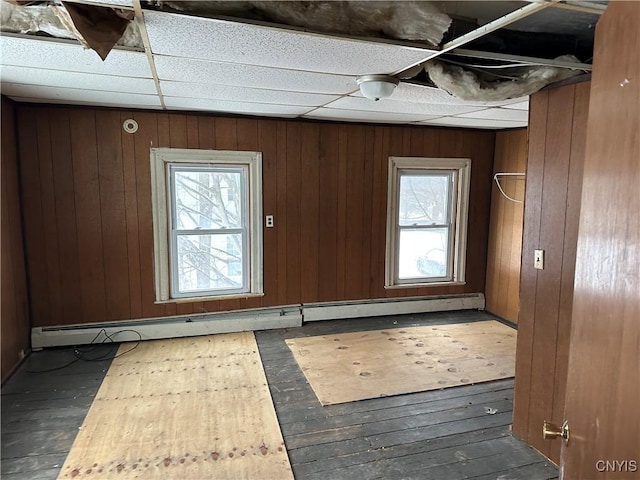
<point>392,105</point>
<point>224,106</point>
<point>413,92</point>
<point>216,65</point>
<point>88,81</point>
<point>243,94</point>
<point>72,95</point>
<point>237,74</point>
<point>473,123</point>
<point>366,116</point>
<point>524,105</point>
<point>498,114</point>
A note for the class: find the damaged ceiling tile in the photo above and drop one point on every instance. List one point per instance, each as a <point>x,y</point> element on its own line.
<point>96,27</point>
<point>406,20</point>
<point>235,54</point>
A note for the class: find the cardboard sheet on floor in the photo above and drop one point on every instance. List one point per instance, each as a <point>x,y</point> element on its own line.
<point>360,365</point>
<point>186,408</point>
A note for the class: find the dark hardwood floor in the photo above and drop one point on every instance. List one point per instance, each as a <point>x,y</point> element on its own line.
<point>444,434</point>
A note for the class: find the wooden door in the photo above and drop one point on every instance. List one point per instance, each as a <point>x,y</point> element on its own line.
<point>603,393</point>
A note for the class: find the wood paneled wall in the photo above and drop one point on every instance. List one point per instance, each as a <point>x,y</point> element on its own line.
<point>87,207</point>
<point>505,230</point>
<point>557,133</point>
<point>14,312</point>
<point>603,378</point>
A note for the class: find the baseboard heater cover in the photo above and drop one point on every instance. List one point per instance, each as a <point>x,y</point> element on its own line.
<point>167,327</point>
<point>391,306</point>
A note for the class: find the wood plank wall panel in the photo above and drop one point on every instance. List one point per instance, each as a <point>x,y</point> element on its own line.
<point>64,202</point>
<point>505,230</point>
<point>14,313</point>
<point>603,385</point>
<point>572,220</point>
<point>557,129</point>
<point>325,184</point>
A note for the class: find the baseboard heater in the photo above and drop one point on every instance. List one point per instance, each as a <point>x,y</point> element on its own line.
<point>167,327</point>
<point>391,306</point>
<point>259,319</point>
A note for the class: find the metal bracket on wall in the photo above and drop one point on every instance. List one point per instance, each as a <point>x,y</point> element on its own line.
<point>497,176</point>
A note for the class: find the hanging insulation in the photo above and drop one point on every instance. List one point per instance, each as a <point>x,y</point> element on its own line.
<point>467,85</point>
<point>55,20</point>
<point>405,20</point>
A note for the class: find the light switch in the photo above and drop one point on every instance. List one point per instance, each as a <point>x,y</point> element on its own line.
<point>538,259</point>
<point>268,220</point>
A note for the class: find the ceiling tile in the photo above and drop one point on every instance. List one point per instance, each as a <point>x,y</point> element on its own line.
<point>70,56</point>
<point>92,97</point>
<point>221,40</point>
<point>412,92</point>
<point>154,106</point>
<point>392,105</point>
<point>246,108</point>
<point>243,94</point>
<point>58,78</point>
<point>519,106</point>
<point>361,116</point>
<point>474,123</point>
<point>202,71</point>
<point>499,114</point>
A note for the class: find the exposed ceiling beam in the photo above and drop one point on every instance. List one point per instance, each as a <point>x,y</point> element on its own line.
<point>521,59</point>
<point>139,18</point>
<point>485,29</point>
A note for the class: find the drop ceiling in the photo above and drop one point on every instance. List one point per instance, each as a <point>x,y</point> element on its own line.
<point>227,65</point>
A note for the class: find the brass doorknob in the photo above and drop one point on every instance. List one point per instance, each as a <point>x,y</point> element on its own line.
<point>551,431</point>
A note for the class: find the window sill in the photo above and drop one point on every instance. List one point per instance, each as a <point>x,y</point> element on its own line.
<point>422,285</point>
<point>237,296</point>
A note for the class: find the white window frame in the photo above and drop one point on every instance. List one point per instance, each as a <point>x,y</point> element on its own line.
<point>161,159</point>
<point>459,211</point>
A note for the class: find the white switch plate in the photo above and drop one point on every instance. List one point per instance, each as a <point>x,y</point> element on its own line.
<point>268,220</point>
<point>538,259</point>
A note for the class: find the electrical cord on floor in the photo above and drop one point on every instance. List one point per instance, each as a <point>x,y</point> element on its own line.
<point>83,353</point>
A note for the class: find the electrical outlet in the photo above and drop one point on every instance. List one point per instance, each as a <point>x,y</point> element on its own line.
<point>538,259</point>
<point>268,220</point>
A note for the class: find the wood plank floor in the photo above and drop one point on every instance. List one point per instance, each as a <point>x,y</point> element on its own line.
<point>443,434</point>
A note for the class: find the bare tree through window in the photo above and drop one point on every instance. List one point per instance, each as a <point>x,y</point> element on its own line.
<point>209,209</point>
<point>423,224</point>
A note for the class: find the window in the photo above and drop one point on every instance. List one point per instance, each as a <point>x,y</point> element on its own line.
<point>426,221</point>
<point>207,210</point>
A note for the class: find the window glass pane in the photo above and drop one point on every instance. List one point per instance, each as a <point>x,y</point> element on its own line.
<point>423,253</point>
<point>208,199</point>
<point>423,199</point>
<point>209,262</point>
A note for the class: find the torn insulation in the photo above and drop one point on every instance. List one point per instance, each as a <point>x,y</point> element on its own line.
<point>53,19</point>
<point>405,20</point>
<point>467,85</point>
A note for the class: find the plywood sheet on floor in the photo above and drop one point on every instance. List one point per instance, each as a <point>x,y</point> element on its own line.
<point>359,365</point>
<point>182,409</point>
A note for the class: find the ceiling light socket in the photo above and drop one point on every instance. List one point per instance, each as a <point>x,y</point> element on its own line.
<point>376,87</point>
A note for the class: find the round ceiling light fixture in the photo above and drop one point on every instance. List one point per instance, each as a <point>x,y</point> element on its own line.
<point>376,87</point>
